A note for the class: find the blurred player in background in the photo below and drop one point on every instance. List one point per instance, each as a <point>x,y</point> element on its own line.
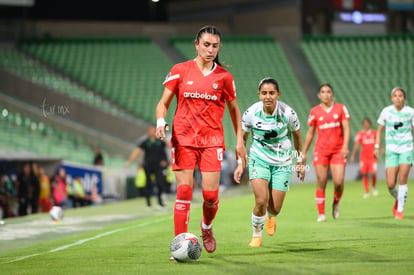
<point>331,122</point>
<point>272,123</point>
<point>45,196</point>
<point>202,88</point>
<point>155,162</point>
<point>398,121</point>
<point>367,161</point>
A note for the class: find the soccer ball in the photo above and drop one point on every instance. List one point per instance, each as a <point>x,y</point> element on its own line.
<point>56,213</point>
<point>186,247</point>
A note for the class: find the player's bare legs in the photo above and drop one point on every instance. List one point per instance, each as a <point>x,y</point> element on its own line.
<point>184,180</point>
<point>338,174</point>
<point>391,174</point>
<point>322,179</point>
<point>403,170</point>
<point>261,190</point>
<point>275,205</point>
<point>210,185</point>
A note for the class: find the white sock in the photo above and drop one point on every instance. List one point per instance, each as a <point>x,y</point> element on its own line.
<point>258,225</point>
<point>205,226</point>
<point>394,192</point>
<point>402,197</point>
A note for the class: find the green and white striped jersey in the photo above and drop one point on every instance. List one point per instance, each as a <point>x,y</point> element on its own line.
<point>398,128</point>
<point>271,133</point>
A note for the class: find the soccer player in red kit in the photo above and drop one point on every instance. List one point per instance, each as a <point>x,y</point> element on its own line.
<point>202,88</point>
<point>331,122</point>
<point>367,161</point>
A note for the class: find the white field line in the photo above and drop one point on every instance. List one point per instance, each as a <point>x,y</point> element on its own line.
<point>98,236</point>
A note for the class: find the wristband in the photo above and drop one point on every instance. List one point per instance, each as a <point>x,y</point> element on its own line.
<point>239,161</point>
<point>376,146</point>
<point>299,159</point>
<point>161,122</point>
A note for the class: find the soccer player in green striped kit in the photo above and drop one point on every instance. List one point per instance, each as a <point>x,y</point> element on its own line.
<point>398,121</point>
<point>272,123</point>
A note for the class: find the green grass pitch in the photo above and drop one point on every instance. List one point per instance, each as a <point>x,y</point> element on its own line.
<point>366,239</point>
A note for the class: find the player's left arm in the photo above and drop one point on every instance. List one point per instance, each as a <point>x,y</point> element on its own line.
<point>297,141</point>
<point>294,128</point>
<point>347,134</point>
<point>236,119</point>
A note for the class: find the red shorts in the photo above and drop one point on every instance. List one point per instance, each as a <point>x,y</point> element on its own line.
<point>368,166</point>
<point>208,159</point>
<point>327,159</point>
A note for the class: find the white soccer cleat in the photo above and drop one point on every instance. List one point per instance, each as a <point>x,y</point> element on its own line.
<point>366,196</point>
<point>335,211</point>
<point>375,192</point>
<point>321,218</point>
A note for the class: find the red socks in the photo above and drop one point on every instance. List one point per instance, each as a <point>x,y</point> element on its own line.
<point>182,209</point>
<point>320,201</point>
<point>374,180</point>
<point>337,197</point>
<point>210,206</point>
<point>366,183</point>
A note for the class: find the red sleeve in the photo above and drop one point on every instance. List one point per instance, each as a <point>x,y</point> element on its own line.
<point>229,88</point>
<point>172,80</point>
<point>345,113</point>
<point>312,118</point>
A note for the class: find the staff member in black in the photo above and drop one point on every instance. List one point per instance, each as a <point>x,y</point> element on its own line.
<point>155,161</point>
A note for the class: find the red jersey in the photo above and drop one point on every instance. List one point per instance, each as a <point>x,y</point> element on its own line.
<point>198,120</point>
<point>367,141</point>
<point>328,125</point>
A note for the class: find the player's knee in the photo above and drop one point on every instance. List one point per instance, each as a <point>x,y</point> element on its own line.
<point>184,192</point>
<point>261,203</point>
<point>211,196</point>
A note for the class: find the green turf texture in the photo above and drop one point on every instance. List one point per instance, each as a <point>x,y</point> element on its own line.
<point>366,239</point>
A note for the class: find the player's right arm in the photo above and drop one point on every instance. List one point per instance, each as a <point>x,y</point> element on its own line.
<point>134,155</point>
<point>240,167</point>
<point>161,112</point>
<point>356,147</point>
<point>354,151</point>
<point>308,141</point>
<point>378,139</point>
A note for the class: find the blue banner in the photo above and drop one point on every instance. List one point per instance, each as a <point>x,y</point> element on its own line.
<point>90,177</point>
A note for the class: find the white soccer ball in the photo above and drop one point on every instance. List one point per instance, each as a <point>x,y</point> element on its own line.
<point>56,213</point>
<point>186,247</point>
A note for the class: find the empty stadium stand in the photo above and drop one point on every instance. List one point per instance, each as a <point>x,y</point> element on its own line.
<point>127,71</point>
<point>21,133</point>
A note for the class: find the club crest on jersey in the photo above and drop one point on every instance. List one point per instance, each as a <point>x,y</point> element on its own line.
<point>335,116</point>
<point>215,85</point>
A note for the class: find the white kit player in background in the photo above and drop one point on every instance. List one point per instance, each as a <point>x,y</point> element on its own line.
<point>398,121</point>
